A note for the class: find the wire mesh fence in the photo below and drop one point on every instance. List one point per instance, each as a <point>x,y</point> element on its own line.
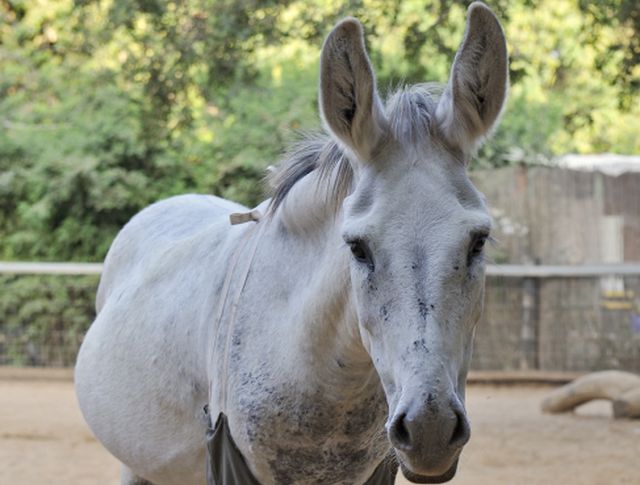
<point>574,323</point>
<point>43,317</point>
<point>59,349</point>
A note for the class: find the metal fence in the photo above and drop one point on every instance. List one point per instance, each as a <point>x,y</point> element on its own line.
<point>550,318</point>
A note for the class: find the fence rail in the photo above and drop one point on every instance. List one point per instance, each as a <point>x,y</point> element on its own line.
<point>502,270</point>
<point>50,268</point>
<point>545,318</point>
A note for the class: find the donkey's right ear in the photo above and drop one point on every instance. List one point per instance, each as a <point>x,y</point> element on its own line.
<point>349,101</point>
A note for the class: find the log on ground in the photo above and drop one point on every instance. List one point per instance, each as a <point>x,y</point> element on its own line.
<point>609,385</point>
<point>628,404</point>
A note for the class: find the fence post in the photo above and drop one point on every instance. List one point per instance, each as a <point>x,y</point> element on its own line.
<point>529,327</point>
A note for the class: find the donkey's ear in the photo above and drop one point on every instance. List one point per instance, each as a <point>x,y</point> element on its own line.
<point>349,102</point>
<point>474,97</point>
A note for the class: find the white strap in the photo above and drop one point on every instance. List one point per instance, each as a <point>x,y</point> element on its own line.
<point>234,219</point>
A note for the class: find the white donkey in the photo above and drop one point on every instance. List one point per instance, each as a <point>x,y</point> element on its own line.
<point>335,331</point>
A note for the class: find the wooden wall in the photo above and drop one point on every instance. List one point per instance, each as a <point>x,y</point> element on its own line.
<point>548,215</point>
<point>551,215</point>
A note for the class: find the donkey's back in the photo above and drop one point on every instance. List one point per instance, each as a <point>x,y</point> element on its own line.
<point>171,224</point>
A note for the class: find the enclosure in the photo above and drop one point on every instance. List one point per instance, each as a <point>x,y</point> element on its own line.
<point>542,325</point>
<point>108,106</point>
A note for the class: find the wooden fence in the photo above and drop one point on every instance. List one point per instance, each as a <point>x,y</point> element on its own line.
<point>550,215</point>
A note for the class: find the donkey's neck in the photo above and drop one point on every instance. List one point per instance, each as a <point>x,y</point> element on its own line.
<point>305,385</point>
<point>324,322</point>
<point>325,400</point>
<point>311,207</point>
<point>325,325</point>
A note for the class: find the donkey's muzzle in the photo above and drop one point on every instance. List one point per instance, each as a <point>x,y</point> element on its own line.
<point>428,437</point>
<point>415,478</point>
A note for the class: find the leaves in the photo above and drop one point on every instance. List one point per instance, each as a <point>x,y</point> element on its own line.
<point>109,106</point>
<point>44,318</point>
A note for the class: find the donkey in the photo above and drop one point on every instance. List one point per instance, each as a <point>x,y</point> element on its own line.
<point>333,329</point>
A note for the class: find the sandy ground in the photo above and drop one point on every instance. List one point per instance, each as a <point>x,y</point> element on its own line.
<point>43,440</point>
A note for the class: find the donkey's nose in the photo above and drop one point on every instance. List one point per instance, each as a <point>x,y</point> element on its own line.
<point>431,425</point>
<point>399,434</point>
<point>461,431</point>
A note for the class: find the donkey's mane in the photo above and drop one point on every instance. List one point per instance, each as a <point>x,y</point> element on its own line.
<point>410,111</point>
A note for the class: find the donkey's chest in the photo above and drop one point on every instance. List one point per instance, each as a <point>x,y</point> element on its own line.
<point>305,438</point>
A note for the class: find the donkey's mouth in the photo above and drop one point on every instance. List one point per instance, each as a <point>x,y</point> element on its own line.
<point>417,478</point>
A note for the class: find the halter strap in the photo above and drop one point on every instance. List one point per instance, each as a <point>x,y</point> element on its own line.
<point>242,217</point>
<point>237,258</point>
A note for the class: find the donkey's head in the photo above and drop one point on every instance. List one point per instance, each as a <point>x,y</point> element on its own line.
<point>416,228</point>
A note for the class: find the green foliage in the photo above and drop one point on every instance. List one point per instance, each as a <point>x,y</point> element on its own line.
<point>44,318</point>
<point>109,105</point>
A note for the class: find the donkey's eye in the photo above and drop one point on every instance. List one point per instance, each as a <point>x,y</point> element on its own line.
<point>361,252</point>
<point>477,246</point>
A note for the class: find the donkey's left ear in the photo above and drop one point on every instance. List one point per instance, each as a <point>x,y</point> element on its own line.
<point>349,101</point>
<point>474,97</point>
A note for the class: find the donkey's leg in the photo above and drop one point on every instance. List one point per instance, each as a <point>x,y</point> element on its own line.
<point>127,477</point>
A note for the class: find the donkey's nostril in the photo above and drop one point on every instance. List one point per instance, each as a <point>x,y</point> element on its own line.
<point>461,433</point>
<point>399,433</point>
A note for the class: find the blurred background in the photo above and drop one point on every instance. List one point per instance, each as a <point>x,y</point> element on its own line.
<point>107,106</point>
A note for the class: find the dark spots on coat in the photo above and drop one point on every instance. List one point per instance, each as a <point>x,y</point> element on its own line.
<point>237,340</point>
<point>246,379</point>
<point>287,463</point>
<point>337,464</point>
<point>312,415</point>
<point>306,437</point>
<point>340,363</point>
<point>419,259</point>
<point>384,312</point>
<point>252,421</point>
<point>366,418</point>
<point>302,415</point>
<point>420,345</point>
<point>456,267</point>
<point>371,283</point>
<point>423,309</point>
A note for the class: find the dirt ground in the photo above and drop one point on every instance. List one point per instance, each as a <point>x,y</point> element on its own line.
<point>43,440</point>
